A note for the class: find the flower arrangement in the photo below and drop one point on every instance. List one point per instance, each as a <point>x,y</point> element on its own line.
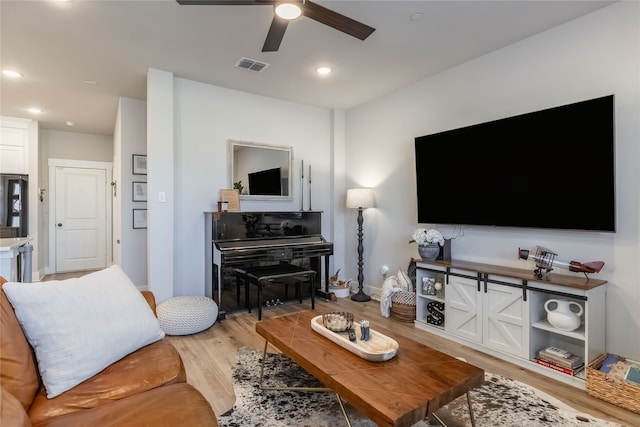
<point>423,237</point>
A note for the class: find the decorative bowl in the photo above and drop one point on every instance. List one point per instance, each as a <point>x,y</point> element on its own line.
<point>338,321</point>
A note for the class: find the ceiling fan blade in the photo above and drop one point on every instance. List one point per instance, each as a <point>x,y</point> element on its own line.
<point>335,20</point>
<point>222,2</point>
<point>275,34</point>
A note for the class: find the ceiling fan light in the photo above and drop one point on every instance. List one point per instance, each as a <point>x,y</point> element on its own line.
<point>288,10</point>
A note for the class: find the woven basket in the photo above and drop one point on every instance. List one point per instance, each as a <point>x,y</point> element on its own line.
<point>625,394</point>
<point>403,306</point>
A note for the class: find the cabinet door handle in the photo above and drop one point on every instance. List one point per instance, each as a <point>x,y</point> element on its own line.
<point>59,224</point>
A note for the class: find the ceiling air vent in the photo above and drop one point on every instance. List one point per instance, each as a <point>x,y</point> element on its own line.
<point>251,64</point>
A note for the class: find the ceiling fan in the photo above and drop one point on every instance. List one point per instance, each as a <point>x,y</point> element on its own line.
<point>305,7</point>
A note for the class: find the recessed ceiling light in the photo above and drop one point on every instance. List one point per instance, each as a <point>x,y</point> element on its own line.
<point>288,11</point>
<point>90,82</point>
<point>323,70</point>
<point>35,110</point>
<point>70,123</point>
<point>417,16</point>
<point>11,73</point>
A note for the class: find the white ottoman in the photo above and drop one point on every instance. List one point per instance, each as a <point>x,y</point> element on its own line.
<point>186,315</point>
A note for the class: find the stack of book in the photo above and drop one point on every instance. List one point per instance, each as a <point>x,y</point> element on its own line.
<point>561,361</point>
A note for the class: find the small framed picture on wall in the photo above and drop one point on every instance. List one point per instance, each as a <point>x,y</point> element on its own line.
<point>139,191</point>
<point>139,164</point>
<point>139,218</point>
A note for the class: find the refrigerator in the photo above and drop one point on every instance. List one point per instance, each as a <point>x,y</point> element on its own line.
<point>14,209</point>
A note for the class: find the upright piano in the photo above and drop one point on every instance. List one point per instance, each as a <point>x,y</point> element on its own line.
<point>245,239</point>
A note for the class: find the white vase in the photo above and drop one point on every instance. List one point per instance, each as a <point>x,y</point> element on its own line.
<point>562,317</point>
<point>429,252</point>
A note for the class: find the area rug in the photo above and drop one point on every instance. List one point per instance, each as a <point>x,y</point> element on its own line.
<point>498,402</point>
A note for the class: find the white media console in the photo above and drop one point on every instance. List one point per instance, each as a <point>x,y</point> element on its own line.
<point>500,311</point>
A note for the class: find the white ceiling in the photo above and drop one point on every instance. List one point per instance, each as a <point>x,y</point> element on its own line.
<point>59,45</point>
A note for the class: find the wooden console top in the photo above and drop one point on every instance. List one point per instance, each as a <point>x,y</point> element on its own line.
<point>576,282</point>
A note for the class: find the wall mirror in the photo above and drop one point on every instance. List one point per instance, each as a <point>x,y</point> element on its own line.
<point>260,171</point>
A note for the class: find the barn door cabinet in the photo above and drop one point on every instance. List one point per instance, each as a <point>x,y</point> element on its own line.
<point>500,311</point>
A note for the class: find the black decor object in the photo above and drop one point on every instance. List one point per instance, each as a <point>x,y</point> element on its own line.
<point>360,296</point>
<point>360,198</point>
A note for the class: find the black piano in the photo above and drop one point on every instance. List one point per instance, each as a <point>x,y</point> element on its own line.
<point>251,239</point>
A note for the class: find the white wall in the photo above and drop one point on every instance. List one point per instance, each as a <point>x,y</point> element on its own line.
<point>130,137</point>
<point>75,146</point>
<point>161,171</point>
<point>205,117</point>
<point>593,56</point>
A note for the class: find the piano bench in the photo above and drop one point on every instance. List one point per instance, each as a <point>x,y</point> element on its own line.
<point>283,273</point>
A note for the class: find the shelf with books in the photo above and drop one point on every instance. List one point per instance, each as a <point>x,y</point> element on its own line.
<point>577,372</point>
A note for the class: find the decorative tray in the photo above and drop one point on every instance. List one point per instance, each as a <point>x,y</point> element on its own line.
<point>378,348</point>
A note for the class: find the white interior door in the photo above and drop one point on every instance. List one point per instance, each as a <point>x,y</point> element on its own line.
<point>80,218</point>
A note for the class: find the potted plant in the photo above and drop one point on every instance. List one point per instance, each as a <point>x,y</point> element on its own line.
<point>238,187</point>
<point>429,242</point>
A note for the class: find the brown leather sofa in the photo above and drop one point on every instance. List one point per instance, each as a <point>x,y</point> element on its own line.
<point>148,387</point>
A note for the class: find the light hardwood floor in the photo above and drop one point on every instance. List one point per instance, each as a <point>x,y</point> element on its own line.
<point>209,357</point>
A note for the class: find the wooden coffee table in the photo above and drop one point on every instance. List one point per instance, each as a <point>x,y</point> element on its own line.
<point>399,392</point>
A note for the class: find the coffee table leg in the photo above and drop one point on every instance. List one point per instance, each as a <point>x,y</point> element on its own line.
<point>325,389</point>
<point>471,417</point>
<point>344,411</point>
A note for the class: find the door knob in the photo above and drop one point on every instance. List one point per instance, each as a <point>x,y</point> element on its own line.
<point>59,224</point>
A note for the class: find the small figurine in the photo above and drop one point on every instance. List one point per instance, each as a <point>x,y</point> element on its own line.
<point>545,260</point>
<point>364,330</point>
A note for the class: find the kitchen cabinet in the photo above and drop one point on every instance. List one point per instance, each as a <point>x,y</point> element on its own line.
<point>14,157</point>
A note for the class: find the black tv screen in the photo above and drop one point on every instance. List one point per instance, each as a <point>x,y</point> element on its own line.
<point>265,183</point>
<point>551,169</point>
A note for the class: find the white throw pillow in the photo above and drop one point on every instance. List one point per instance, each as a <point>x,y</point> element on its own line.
<point>78,327</point>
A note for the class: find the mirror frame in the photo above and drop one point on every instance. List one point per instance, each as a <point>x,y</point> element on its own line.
<point>234,145</point>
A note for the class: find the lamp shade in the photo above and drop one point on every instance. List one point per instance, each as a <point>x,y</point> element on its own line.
<point>360,198</point>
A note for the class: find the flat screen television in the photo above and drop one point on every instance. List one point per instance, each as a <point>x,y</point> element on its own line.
<point>267,182</point>
<point>550,169</point>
